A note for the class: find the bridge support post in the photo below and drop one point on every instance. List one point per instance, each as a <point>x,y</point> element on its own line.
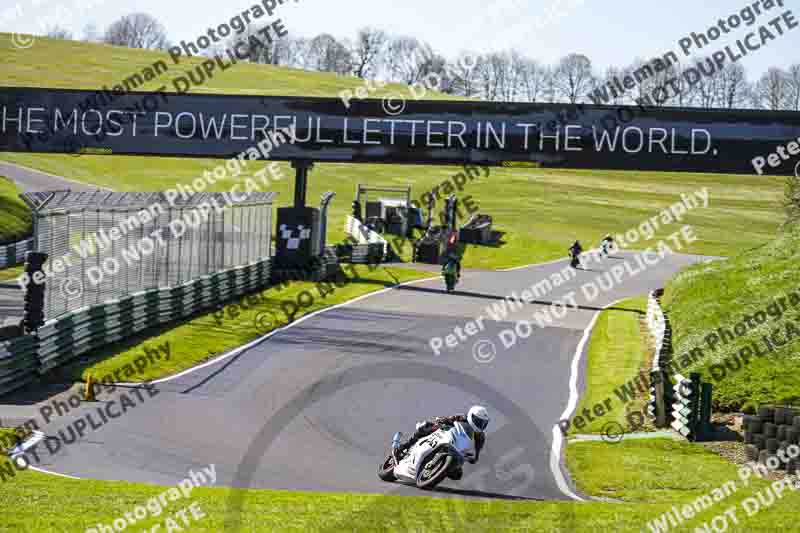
<point>302,168</point>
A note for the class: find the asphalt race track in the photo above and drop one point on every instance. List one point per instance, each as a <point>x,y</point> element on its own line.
<point>314,406</point>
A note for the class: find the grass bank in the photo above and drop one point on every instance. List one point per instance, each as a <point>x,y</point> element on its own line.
<point>618,350</point>
<point>721,294</point>
<point>15,217</point>
<point>655,475</point>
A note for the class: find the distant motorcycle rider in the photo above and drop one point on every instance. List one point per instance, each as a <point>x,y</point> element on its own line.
<point>607,244</point>
<point>475,422</point>
<point>575,252</point>
<point>452,262</point>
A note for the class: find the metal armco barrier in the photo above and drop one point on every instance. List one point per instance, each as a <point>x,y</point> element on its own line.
<point>660,385</point>
<point>63,339</point>
<point>684,404</point>
<point>14,254</point>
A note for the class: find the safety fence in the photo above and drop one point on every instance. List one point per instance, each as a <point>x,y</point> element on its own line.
<point>14,254</point>
<point>683,404</point>
<point>61,340</point>
<point>113,244</point>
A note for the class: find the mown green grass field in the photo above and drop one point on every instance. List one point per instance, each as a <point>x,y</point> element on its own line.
<point>541,211</point>
<point>637,480</point>
<point>15,218</point>
<point>618,350</point>
<point>706,297</point>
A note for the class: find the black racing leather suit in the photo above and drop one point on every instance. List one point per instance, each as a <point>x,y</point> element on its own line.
<point>430,426</point>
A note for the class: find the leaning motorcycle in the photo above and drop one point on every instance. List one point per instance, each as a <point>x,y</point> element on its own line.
<point>575,261</point>
<point>428,462</point>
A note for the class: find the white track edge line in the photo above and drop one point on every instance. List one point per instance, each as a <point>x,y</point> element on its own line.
<point>572,404</point>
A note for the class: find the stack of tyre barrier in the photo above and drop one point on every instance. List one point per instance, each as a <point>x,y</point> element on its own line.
<point>660,383</point>
<point>367,254</point>
<point>14,254</point>
<point>63,339</point>
<point>770,433</point>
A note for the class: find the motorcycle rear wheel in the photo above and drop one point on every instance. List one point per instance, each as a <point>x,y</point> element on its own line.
<point>386,469</point>
<point>429,478</point>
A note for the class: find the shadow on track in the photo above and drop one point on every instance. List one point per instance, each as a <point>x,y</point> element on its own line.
<point>483,494</point>
<point>495,297</point>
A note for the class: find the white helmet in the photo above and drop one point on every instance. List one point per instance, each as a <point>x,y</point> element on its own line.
<point>478,418</point>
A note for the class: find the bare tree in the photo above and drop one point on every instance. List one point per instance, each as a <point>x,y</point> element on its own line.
<point>532,80</point>
<point>612,73</point>
<point>772,89</point>
<point>573,77</point>
<point>707,88</point>
<point>464,74</point>
<point>406,57</point>
<point>734,89</point>
<point>57,32</point>
<point>500,72</point>
<point>793,81</point>
<point>684,92</point>
<point>326,54</point>
<point>276,52</point>
<point>137,30</point>
<point>367,51</point>
<point>550,90</point>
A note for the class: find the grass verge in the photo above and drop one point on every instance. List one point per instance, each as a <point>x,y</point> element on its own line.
<point>617,351</point>
<point>657,474</point>
<point>680,473</point>
<point>206,336</point>
<point>721,294</point>
<point>15,217</point>
<point>8,439</point>
<point>11,274</point>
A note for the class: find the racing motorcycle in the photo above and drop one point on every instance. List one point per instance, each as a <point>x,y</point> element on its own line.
<point>428,462</point>
<point>450,274</point>
<point>575,259</point>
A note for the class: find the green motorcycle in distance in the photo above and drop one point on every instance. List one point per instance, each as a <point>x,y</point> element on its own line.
<point>450,274</point>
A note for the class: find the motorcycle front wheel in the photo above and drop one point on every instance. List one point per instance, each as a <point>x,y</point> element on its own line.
<point>434,471</point>
<point>386,469</point>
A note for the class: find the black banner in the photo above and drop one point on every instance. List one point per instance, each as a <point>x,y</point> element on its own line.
<point>425,132</point>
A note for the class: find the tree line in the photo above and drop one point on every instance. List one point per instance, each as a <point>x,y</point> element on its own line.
<point>509,76</point>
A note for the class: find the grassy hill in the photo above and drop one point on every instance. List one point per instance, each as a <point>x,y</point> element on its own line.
<point>15,218</point>
<point>541,211</point>
<point>721,294</point>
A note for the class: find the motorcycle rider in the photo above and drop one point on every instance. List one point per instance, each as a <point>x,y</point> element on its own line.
<point>575,252</point>
<point>452,261</point>
<point>476,420</point>
<point>606,244</point>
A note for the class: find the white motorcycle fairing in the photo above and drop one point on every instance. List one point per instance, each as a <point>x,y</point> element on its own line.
<point>457,437</point>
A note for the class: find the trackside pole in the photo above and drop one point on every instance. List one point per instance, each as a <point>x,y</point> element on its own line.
<point>302,167</point>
